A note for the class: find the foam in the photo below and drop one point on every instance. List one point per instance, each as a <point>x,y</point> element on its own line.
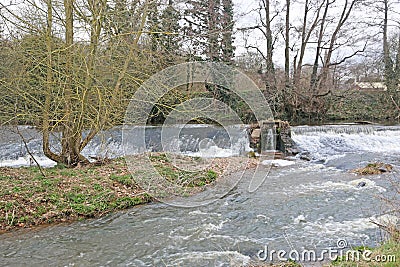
<point>27,161</point>
<point>357,225</point>
<point>330,186</point>
<point>278,162</point>
<point>234,257</point>
<point>331,142</point>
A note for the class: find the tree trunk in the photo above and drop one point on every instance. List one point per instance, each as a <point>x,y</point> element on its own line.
<point>104,115</point>
<point>227,51</point>
<point>72,128</point>
<point>305,37</point>
<point>287,48</point>
<point>49,84</point>
<point>314,77</point>
<point>327,62</point>
<point>270,46</point>
<point>386,52</point>
<point>213,31</point>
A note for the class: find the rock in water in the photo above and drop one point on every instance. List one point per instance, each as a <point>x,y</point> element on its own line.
<point>382,169</point>
<point>374,168</point>
<point>306,156</point>
<point>361,184</point>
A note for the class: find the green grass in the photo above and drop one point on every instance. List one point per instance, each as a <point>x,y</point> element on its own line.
<point>182,177</point>
<point>123,179</point>
<point>28,198</point>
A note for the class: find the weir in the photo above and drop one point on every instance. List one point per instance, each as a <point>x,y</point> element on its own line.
<point>273,137</point>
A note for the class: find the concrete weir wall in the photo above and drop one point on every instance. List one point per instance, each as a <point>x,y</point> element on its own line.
<point>272,137</point>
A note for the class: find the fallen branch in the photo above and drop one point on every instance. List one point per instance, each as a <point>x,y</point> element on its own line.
<point>397,106</point>
<point>29,152</point>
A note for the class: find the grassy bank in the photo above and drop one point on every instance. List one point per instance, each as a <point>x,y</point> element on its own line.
<point>28,198</point>
<point>386,255</point>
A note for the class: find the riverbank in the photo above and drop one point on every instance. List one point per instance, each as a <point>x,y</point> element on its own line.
<point>28,198</point>
<point>385,255</point>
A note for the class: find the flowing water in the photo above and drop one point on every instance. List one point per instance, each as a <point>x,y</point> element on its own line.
<point>308,205</point>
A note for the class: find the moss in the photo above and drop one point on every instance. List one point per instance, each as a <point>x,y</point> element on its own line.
<point>251,154</point>
<point>374,168</point>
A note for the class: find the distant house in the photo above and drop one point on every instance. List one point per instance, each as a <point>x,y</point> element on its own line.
<point>369,86</point>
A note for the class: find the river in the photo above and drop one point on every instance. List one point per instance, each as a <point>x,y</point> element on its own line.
<point>309,205</point>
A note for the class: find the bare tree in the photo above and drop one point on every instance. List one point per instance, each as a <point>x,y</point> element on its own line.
<point>344,16</point>
<point>314,78</point>
<point>75,101</point>
<point>287,45</point>
<point>266,15</point>
<point>305,34</point>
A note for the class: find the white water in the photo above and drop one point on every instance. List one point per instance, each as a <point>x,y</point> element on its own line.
<point>333,142</point>
<point>27,161</point>
<point>278,162</point>
<point>211,150</point>
<point>325,143</point>
<point>193,140</point>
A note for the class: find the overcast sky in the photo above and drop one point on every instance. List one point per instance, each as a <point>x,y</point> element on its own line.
<point>246,15</point>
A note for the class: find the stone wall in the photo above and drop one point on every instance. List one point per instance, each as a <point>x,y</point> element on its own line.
<point>272,135</point>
